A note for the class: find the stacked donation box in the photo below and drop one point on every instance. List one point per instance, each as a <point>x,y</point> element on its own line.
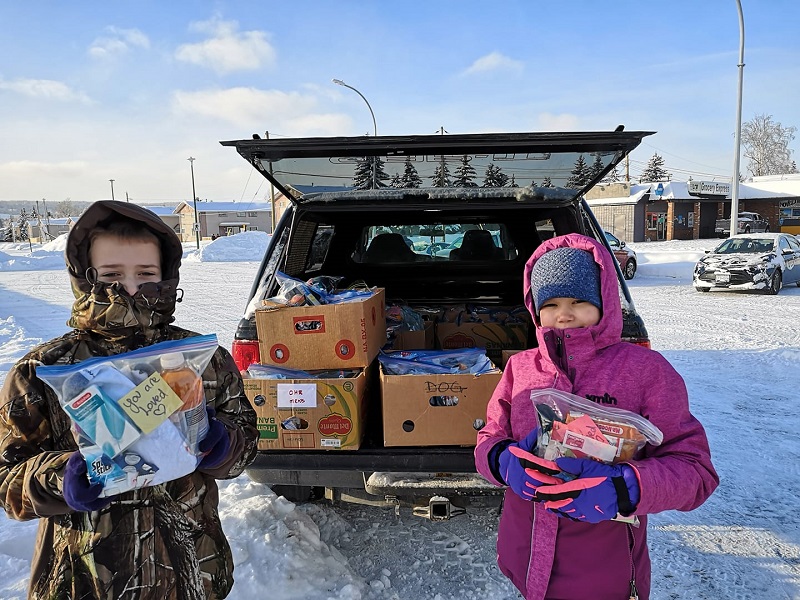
<point>314,413</point>
<point>328,411</point>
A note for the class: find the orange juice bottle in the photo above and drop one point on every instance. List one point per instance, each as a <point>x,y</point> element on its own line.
<point>191,418</point>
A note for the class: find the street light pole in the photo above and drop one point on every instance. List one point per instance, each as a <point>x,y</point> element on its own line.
<point>374,126</point>
<point>738,140</point>
<point>112,188</point>
<point>194,199</point>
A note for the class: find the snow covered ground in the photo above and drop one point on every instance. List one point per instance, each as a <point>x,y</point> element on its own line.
<point>739,355</point>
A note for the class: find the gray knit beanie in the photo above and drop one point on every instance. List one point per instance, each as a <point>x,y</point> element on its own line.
<point>565,273</point>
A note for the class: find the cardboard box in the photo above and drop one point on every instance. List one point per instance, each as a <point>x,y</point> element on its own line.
<point>331,336</point>
<point>434,410</point>
<point>492,336</point>
<point>414,340</point>
<point>330,413</point>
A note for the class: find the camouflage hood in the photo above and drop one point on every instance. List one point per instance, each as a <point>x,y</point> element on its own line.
<point>106,308</point>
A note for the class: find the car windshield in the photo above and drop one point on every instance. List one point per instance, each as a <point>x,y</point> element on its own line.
<point>745,246</point>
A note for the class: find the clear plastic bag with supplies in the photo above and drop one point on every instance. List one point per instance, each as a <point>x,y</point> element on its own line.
<point>137,417</point>
<point>576,427</point>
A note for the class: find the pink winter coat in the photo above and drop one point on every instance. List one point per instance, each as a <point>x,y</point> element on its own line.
<point>548,557</point>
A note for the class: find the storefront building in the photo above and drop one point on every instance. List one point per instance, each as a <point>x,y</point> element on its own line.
<point>676,210</point>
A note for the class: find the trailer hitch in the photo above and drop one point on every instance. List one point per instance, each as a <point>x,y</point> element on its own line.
<point>438,508</point>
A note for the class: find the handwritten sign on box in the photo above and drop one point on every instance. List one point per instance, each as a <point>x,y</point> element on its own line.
<point>150,403</point>
<point>297,395</point>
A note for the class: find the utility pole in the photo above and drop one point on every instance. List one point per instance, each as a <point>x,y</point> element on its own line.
<point>46,218</point>
<point>191,160</point>
<point>738,140</point>
<point>112,188</point>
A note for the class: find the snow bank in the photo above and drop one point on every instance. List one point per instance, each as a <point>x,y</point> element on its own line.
<point>245,246</point>
<point>38,260</point>
<point>58,244</point>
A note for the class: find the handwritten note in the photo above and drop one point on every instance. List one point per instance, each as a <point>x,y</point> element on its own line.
<point>150,403</point>
<point>297,395</point>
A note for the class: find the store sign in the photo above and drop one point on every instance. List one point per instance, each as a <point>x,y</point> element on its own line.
<point>709,188</point>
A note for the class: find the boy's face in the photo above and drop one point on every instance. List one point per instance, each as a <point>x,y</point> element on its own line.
<point>131,262</point>
<point>568,313</point>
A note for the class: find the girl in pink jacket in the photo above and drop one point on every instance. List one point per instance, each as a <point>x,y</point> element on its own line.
<point>557,540</point>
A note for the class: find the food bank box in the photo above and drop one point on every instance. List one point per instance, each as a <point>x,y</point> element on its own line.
<point>492,336</point>
<point>309,414</point>
<point>435,410</point>
<point>329,336</point>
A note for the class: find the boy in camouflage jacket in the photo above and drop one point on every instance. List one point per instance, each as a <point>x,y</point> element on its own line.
<point>158,542</point>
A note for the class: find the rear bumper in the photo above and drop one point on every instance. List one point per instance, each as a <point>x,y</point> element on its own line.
<point>440,459</point>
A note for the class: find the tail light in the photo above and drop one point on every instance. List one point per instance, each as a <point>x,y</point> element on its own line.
<point>639,341</point>
<point>245,353</point>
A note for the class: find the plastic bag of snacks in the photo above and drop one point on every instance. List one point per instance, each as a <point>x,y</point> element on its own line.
<point>576,427</point>
<point>138,417</point>
<point>433,362</point>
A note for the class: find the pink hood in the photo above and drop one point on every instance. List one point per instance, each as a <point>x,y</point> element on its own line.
<point>609,330</point>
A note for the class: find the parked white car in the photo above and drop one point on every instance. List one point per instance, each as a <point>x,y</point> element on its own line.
<point>760,261</point>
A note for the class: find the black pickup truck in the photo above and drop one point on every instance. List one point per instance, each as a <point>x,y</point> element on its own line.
<point>344,192</point>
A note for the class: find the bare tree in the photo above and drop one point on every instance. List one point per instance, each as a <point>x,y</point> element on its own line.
<point>766,146</point>
<point>66,208</point>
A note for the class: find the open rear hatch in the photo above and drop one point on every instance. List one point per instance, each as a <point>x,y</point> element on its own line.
<point>302,167</point>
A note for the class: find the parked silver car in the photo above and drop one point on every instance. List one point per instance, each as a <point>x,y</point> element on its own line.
<point>760,261</point>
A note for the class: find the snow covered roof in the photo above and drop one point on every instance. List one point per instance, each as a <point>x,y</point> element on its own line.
<point>162,210</point>
<point>771,186</point>
<point>775,186</point>
<point>632,199</point>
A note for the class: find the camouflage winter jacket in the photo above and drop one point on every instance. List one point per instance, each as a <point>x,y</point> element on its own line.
<point>158,542</point>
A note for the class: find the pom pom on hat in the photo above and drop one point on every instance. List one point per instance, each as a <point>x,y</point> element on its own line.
<point>565,273</point>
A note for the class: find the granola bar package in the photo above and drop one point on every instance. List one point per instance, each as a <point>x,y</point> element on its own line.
<point>573,426</point>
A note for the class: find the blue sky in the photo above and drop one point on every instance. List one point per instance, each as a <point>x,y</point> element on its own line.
<point>128,91</point>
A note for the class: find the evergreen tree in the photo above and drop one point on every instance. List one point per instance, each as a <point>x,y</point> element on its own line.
<point>396,182</point>
<point>579,175</point>
<point>513,182</point>
<point>365,178</point>
<point>381,176</point>
<point>533,183</point>
<point>22,225</point>
<point>596,168</point>
<point>612,176</point>
<point>7,230</point>
<point>494,177</point>
<point>362,178</point>
<point>441,176</point>
<point>655,171</point>
<point>465,173</point>
<point>411,178</point>
<point>547,183</point>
